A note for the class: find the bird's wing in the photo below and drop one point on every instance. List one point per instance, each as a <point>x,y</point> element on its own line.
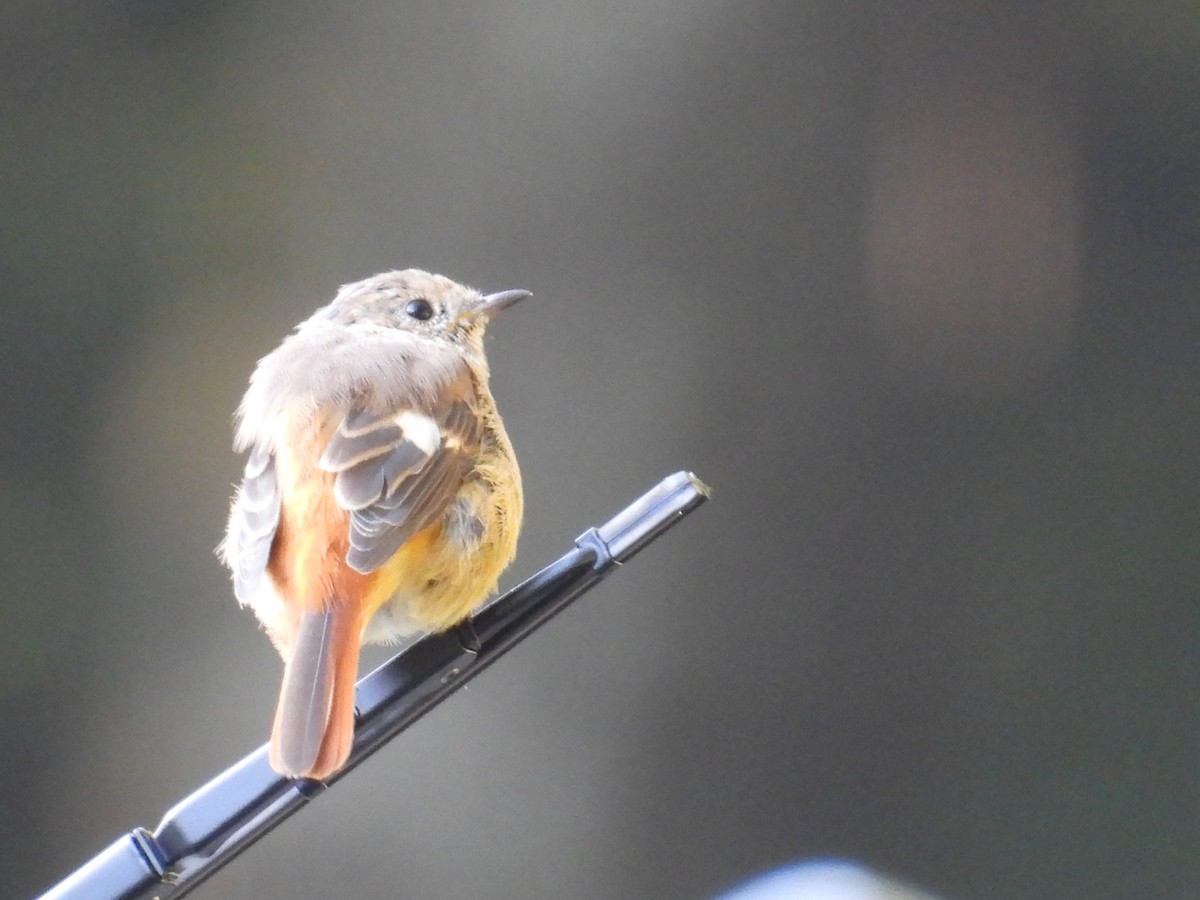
<point>253,522</point>
<point>397,473</point>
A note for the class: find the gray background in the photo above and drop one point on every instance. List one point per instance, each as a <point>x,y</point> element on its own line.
<point>913,285</point>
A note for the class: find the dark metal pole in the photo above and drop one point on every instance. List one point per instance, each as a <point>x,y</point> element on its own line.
<point>209,828</point>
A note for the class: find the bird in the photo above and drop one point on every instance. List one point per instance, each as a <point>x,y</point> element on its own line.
<point>381,495</point>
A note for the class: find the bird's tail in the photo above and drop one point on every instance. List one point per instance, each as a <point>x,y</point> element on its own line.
<point>314,723</point>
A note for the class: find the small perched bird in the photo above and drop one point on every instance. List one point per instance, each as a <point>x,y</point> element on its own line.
<point>381,495</point>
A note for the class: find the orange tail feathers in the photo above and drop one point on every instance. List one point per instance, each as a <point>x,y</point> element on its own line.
<point>314,722</point>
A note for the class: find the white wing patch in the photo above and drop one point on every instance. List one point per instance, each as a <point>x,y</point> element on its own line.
<point>421,429</point>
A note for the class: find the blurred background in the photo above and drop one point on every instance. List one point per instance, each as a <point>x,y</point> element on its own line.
<point>912,285</point>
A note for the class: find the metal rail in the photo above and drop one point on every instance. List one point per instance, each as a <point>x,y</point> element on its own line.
<point>210,827</point>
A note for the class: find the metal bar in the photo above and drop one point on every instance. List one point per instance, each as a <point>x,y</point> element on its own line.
<point>210,827</point>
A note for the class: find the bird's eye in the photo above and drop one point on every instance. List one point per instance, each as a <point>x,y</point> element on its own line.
<point>419,309</point>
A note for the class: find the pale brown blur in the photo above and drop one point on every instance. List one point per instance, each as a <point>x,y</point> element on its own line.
<point>974,236</point>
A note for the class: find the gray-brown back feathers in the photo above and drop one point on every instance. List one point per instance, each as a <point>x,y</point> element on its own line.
<point>394,385</point>
<point>363,350</point>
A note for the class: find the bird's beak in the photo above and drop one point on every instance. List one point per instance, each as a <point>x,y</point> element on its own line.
<point>494,303</point>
